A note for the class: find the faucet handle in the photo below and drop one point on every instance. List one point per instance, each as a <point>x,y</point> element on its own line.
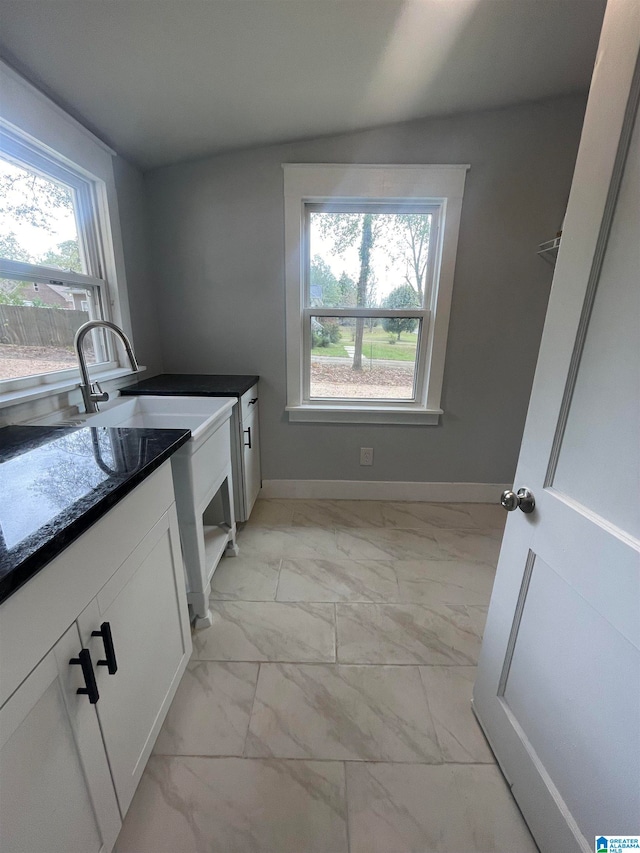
<point>97,394</point>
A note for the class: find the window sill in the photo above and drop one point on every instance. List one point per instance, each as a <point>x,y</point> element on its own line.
<point>363,415</point>
<point>48,389</point>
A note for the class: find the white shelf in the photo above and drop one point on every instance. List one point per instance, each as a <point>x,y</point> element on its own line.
<point>549,250</point>
<point>215,541</point>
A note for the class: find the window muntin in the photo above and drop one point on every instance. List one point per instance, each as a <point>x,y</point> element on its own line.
<point>50,261</point>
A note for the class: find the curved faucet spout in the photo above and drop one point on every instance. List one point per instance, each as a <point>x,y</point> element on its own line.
<point>92,393</point>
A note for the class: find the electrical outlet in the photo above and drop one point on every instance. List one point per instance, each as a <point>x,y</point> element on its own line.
<point>366,455</point>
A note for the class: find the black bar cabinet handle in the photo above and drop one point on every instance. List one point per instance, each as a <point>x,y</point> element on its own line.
<point>110,652</point>
<point>91,688</point>
<point>248,429</point>
<point>251,402</point>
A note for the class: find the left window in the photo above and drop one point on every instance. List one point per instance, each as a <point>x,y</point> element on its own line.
<point>51,265</point>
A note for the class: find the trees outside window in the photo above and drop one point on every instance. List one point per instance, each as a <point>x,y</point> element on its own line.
<point>49,259</point>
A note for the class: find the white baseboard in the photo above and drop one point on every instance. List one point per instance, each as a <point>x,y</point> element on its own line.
<point>381,490</point>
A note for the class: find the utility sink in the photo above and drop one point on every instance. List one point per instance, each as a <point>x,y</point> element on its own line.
<point>202,415</point>
<point>202,479</point>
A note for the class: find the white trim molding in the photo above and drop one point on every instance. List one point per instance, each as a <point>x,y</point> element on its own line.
<point>345,414</point>
<point>382,490</point>
<point>440,187</point>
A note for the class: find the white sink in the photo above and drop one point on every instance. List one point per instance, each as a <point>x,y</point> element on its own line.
<point>202,479</point>
<point>202,415</point>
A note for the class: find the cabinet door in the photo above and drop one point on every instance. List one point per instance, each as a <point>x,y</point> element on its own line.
<point>56,793</point>
<point>145,606</point>
<point>252,474</point>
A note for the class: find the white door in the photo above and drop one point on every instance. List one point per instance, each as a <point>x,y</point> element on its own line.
<point>558,687</point>
<point>56,793</point>
<point>144,607</point>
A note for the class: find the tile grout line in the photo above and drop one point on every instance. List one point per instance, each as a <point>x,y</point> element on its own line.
<point>253,704</point>
<point>361,664</point>
<point>430,712</point>
<point>345,761</point>
<point>346,805</point>
<point>275,598</point>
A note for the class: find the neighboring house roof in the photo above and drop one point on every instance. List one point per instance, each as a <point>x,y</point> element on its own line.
<point>47,293</point>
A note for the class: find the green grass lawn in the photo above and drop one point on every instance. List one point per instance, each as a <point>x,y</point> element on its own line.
<point>374,345</point>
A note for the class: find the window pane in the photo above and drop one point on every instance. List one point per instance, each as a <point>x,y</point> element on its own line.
<point>37,219</point>
<point>38,322</point>
<point>365,358</point>
<point>375,260</point>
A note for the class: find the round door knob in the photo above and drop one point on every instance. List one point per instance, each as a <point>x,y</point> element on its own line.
<point>523,500</point>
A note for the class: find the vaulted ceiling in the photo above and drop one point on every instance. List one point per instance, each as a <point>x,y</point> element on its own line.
<point>169,80</point>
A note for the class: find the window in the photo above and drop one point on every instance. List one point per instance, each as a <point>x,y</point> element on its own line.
<point>370,259</point>
<point>50,264</point>
<point>61,254</point>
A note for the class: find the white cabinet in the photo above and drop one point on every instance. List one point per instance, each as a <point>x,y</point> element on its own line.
<point>251,458</point>
<point>245,452</point>
<point>70,762</point>
<point>142,605</point>
<point>56,792</point>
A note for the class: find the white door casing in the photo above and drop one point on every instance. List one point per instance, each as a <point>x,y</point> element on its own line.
<point>558,688</point>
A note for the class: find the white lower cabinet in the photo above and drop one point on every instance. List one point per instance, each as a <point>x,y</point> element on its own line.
<point>56,792</point>
<point>245,453</point>
<point>252,475</point>
<point>70,762</point>
<point>141,607</point>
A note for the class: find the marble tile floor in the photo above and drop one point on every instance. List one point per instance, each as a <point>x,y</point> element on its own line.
<point>327,710</point>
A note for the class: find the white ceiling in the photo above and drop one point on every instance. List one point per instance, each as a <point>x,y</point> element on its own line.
<point>169,80</point>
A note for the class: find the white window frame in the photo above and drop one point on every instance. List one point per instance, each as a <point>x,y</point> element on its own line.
<point>440,187</point>
<point>37,133</point>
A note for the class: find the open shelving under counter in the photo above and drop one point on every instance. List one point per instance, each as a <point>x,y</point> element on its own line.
<point>216,538</point>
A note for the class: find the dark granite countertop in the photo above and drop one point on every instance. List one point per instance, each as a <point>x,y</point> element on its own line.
<point>192,385</point>
<point>55,482</point>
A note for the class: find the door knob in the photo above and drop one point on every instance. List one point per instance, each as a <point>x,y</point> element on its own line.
<point>523,500</point>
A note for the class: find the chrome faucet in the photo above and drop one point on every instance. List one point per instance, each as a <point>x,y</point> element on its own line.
<point>92,393</point>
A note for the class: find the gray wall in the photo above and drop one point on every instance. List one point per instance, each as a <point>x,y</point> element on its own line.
<point>142,299</point>
<point>218,252</point>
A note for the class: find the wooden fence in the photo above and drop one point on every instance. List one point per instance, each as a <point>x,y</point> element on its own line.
<point>44,327</point>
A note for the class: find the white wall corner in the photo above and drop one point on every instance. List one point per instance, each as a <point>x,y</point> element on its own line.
<point>381,490</point>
